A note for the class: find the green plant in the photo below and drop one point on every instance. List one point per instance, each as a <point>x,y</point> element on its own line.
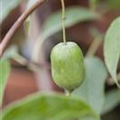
<point>88,100</point>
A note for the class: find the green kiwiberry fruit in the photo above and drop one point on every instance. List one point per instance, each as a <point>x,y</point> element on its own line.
<point>67,63</point>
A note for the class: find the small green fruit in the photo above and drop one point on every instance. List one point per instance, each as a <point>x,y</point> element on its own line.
<point>67,64</point>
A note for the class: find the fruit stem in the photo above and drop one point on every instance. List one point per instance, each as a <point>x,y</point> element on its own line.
<point>63,20</point>
<point>68,92</point>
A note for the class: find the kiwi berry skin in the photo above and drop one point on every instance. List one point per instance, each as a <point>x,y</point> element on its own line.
<point>67,63</point>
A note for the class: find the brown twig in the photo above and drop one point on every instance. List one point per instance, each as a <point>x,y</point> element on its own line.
<point>17,25</point>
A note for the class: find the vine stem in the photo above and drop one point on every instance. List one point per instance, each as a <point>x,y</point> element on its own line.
<point>17,25</point>
<point>63,20</point>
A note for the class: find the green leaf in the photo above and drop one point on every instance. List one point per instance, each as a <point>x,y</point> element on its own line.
<point>92,89</point>
<point>7,6</point>
<point>112,48</point>
<point>4,72</point>
<point>112,100</point>
<point>74,15</point>
<point>48,107</point>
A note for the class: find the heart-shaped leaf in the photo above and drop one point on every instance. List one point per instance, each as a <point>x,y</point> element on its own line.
<point>112,48</point>
<point>49,107</point>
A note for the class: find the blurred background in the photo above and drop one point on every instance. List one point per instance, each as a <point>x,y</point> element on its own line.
<point>22,81</point>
